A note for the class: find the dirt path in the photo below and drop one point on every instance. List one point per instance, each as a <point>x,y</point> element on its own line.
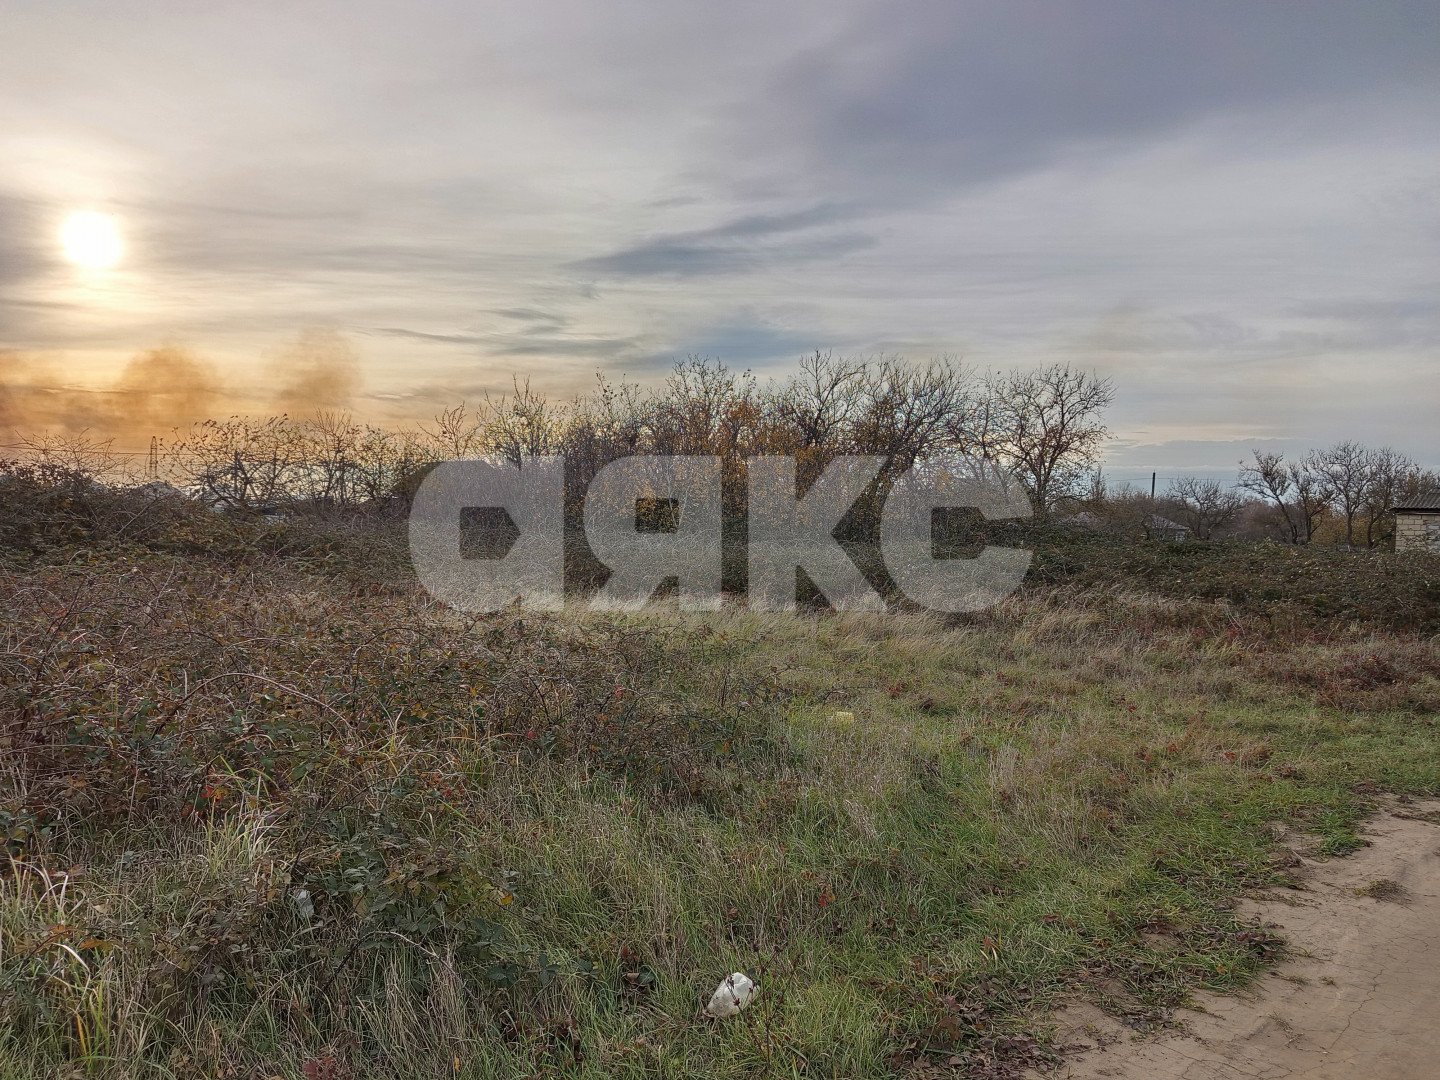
<point>1360,999</point>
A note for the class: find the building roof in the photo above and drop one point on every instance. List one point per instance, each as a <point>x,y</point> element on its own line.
<point>1419,502</point>
<point>1155,521</point>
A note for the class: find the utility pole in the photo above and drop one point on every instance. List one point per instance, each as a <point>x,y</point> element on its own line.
<point>1152,487</point>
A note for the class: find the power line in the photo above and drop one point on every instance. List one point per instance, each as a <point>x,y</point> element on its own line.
<point>154,450</point>
<point>88,450</point>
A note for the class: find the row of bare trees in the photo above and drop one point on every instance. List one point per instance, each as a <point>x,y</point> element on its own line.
<point>329,460</point>
<point>1045,426</point>
<point>1352,484</point>
<point>1341,494</point>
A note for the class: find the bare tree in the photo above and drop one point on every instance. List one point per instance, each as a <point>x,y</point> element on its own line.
<point>243,464</point>
<point>1127,511</point>
<point>381,463</point>
<point>1042,427</point>
<point>1311,500</point>
<point>1392,476</point>
<point>1290,488</point>
<point>907,409</point>
<point>1047,428</point>
<point>1419,482</point>
<point>455,433</point>
<point>79,455</point>
<point>819,403</point>
<point>522,425</point>
<point>1206,507</point>
<point>1344,474</point>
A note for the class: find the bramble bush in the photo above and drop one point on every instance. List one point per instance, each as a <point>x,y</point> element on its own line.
<point>347,736</point>
<point>269,811</point>
<point>1305,585</point>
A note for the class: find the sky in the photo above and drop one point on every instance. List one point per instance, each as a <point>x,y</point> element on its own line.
<point>1232,209</point>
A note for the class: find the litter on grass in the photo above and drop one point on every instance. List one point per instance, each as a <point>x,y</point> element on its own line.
<point>732,995</point>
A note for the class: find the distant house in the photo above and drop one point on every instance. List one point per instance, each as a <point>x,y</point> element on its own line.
<point>1417,523</point>
<point>1154,526</point>
<point>157,490</point>
<point>1084,519</point>
<point>1162,528</point>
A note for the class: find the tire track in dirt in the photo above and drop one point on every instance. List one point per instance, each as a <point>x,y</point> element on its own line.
<point>1359,998</point>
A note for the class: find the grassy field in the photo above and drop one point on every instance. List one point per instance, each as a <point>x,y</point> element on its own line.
<point>269,820</point>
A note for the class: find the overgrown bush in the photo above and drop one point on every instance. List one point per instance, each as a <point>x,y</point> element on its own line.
<point>270,812</point>
<point>342,739</point>
<point>1309,585</point>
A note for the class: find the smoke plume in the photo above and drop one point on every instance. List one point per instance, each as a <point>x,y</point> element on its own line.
<point>162,389</point>
<point>319,373</point>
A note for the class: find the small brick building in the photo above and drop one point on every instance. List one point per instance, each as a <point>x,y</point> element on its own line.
<point>1417,523</point>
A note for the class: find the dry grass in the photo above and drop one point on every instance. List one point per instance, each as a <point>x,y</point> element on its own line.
<point>268,821</point>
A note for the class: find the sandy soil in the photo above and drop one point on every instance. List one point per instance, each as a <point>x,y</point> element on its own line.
<point>1359,999</point>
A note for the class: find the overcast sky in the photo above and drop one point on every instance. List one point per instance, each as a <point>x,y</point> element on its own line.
<point>1231,208</point>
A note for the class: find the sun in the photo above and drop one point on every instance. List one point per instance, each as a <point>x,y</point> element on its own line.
<point>92,240</point>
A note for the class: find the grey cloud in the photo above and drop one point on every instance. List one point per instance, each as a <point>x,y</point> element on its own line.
<point>29,324</point>
<point>667,258</point>
<point>1218,459</point>
<point>23,256</point>
<point>661,258</point>
<point>953,93</point>
<point>1325,328</point>
<point>613,348</point>
<point>531,315</point>
<point>1198,453</point>
<point>739,244</point>
<point>1214,330</point>
<point>530,341</point>
<point>420,335</point>
<point>29,264</point>
<point>1254,180</point>
<point>1410,307</point>
<point>742,339</point>
<point>760,225</point>
<point>1404,323</point>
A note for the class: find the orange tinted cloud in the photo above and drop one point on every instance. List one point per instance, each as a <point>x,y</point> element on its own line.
<point>170,387</point>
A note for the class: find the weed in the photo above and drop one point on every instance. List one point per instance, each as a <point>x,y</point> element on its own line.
<point>266,814</point>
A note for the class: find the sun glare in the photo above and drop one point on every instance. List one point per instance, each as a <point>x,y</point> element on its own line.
<point>92,240</point>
